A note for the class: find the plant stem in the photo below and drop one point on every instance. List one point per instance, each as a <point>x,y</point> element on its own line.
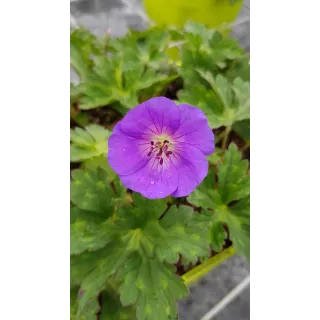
<point>225,138</point>
<point>201,270</point>
<point>245,147</point>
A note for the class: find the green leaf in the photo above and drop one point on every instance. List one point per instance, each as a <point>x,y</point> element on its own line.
<point>90,312</point>
<point>237,218</point>
<point>218,236</point>
<point>239,68</point>
<point>82,45</point>
<point>152,286</point>
<point>112,309</point>
<point>181,232</point>
<point>228,201</point>
<point>99,162</point>
<point>76,90</point>
<point>73,303</point>
<point>89,143</point>
<point>207,50</point>
<point>224,104</point>
<point>216,156</point>
<point>197,33</point>
<point>148,46</point>
<point>205,100</point>
<point>136,63</point>
<point>87,232</point>
<point>242,97</point>
<point>243,129</point>
<point>203,195</point>
<point>234,183</point>
<point>138,216</point>
<point>115,254</point>
<point>137,246</point>
<point>223,90</point>
<point>82,265</point>
<point>91,191</point>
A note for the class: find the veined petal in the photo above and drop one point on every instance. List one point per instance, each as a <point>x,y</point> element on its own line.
<point>153,180</point>
<point>192,168</point>
<point>126,154</point>
<point>194,129</point>
<point>156,116</point>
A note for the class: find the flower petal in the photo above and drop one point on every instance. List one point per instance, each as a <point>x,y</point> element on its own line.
<point>126,154</point>
<point>194,129</point>
<point>192,168</point>
<point>156,116</point>
<point>153,181</point>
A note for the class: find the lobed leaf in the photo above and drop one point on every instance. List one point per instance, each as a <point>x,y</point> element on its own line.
<point>218,236</point>
<point>82,45</point>
<point>180,232</point>
<point>224,103</point>
<point>91,191</point>
<point>88,231</point>
<point>152,286</point>
<point>88,143</point>
<point>228,201</point>
<point>115,254</point>
<point>234,183</point>
<point>133,64</point>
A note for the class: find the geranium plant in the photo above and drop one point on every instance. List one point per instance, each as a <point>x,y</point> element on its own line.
<point>159,154</point>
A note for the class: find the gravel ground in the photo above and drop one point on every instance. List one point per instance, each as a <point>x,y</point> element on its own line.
<point>98,16</point>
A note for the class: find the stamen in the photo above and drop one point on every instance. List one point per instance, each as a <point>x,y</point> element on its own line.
<point>159,148</point>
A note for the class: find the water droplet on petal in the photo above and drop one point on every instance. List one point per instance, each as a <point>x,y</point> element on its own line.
<point>152,182</point>
<point>124,149</point>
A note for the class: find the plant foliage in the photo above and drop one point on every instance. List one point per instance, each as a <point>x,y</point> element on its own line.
<point>128,253</point>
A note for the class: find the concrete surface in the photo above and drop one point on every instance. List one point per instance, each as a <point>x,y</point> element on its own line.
<point>98,16</point>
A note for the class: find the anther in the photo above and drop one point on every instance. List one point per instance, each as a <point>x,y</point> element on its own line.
<point>152,143</point>
<point>161,161</point>
<point>149,154</point>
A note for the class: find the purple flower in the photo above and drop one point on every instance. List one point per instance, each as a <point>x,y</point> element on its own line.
<point>159,148</point>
